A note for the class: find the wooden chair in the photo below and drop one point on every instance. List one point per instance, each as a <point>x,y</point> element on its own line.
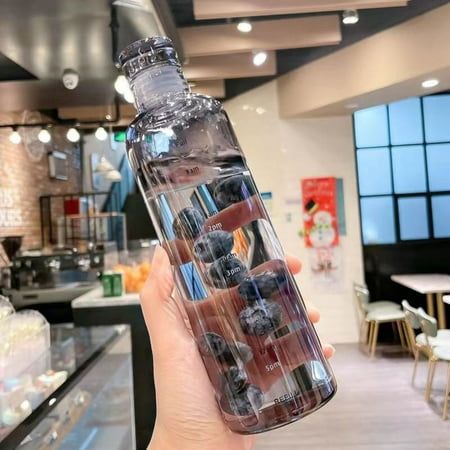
<point>438,352</point>
<point>412,321</point>
<point>372,314</point>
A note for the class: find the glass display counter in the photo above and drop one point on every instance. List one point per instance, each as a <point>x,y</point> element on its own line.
<point>88,398</point>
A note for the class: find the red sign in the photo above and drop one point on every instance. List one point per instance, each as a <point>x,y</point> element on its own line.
<point>320,212</point>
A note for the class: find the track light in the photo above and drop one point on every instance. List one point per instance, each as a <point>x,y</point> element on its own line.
<point>73,135</point>
<point>44,136</point>
<point>128,96</point>
<point>101,134</point>
<point>103,166</point>
<point>114,176</point>
<point>14,137</point>
<point>121,84</point>
<point>259,58</point>
<point>244,26</point>
<point>350,17</point>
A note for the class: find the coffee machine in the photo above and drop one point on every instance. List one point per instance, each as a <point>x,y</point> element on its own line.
<point>11,245</point>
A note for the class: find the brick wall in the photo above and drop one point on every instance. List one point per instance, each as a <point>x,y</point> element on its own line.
<point>24,175</point>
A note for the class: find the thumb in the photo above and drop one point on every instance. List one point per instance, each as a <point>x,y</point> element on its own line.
<point>164,320</point>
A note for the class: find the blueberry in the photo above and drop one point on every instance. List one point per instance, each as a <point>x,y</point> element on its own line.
<point>235,379</point>
<point>213,245</point>
<point>212,344</point>
<point>244,403</point>
<point>232,190</point>
<point>260,318</point>
<point>262,285</point>
<point>227,272</point>
<point>236,353</point>
<point>188,223</point>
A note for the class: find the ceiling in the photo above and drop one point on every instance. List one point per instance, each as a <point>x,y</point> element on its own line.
<point>371,21</point>
<point>41,38</point>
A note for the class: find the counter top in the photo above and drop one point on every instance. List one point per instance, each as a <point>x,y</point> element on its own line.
<point>95,299</point>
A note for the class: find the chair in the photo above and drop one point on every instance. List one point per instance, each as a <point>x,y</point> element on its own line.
<point>438,352</point>
<point>371,314</point>
<point>363,295</point>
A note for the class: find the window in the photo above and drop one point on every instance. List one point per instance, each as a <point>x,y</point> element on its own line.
<point>374,168</point>
<point>403,166</point>
<point>377,217</point>
<point>412,213</point>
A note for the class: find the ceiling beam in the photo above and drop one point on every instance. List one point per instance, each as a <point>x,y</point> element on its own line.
<point>236,65</point>
<point>385,67</point>
<point>222,9</point>
<point>296,32</point>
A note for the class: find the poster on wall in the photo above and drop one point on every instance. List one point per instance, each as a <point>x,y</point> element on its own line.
<point>321,230</point>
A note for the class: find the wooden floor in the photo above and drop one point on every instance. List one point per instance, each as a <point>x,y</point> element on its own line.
<point>376,408</point>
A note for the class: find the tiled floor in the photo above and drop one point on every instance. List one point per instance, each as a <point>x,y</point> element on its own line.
<point>376,408</point>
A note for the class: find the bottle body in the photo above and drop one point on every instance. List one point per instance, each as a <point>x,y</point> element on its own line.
<point>259,348</point>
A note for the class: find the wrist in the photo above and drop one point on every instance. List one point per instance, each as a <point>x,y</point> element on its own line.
<point>164,440</point>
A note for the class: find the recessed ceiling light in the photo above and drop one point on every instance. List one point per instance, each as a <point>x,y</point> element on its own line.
<point>101,134</point>
<point>244,26</point>
<point>260,110</point>
<point>108,117</point>
<point>15,138</point>
<point>44,136</point>
<point>73,135</point>
<point>431,83</point>
<point>259,58</point>
<point>350,17</point>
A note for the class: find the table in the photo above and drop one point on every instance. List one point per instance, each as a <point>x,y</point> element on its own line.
<point>430,284</point>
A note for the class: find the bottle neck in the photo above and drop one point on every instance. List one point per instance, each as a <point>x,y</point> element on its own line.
<point>155,84</point>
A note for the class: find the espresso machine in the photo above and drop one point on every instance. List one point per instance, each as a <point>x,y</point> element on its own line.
<point>11,245</point>
<point>48,280</point>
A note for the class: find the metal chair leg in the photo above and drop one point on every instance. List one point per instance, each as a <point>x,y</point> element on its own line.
<point>429,385</point>
<point>447,393</point>
<point>374,339</point>
<point>416,360</point>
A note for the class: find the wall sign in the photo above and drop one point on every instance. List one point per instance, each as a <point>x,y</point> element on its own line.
<point>10,215</point>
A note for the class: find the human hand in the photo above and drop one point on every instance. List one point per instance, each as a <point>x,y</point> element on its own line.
<point>187,414</point>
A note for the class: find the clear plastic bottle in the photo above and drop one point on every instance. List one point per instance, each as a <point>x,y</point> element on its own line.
<point>260,350</point>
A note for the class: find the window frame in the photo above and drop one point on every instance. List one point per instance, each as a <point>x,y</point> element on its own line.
<point>396,196</point>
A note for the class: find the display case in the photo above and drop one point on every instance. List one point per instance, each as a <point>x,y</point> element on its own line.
<point>93,407</point>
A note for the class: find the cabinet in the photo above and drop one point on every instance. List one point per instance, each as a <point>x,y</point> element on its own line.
<point>93,408</point>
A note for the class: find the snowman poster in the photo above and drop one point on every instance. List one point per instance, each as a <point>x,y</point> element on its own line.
<point>321,230</point>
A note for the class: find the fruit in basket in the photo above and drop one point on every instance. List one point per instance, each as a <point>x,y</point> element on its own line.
<point>134,276</point>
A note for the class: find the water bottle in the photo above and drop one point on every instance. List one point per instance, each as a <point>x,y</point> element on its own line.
<point>259,348</point>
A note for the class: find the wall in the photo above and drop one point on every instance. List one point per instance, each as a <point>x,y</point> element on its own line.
<point>24,174</point>
<point>282,152</point>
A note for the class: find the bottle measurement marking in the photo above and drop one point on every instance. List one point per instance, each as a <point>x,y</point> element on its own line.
<point>286,397</point>
<point>215,227</point>
<point>193,171</point>
<point>232,272</point>
<point>275,365</point>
